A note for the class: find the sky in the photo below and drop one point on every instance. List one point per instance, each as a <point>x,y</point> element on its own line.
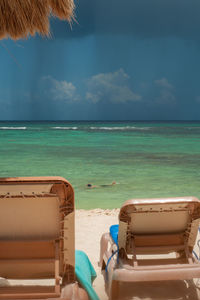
<point>120,60</point>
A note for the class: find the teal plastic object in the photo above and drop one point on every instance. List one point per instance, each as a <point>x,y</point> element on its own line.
<point>114,229</point>
<point>85,273</point>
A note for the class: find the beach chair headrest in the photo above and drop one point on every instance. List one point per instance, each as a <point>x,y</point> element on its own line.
<point>30,208</point>
<point>173,216</point>
<point>162,205</point>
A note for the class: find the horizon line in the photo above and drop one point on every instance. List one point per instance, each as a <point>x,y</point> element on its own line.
<point>156,120</point>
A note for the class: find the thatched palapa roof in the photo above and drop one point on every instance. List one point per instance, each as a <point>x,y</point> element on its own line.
<point>19,18</point>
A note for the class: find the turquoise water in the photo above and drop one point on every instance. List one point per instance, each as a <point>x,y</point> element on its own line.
<point>146,159</point>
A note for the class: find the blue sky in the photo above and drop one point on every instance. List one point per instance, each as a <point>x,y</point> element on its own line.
<point>121,60</point>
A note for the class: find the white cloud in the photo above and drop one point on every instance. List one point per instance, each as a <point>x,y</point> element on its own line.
<point>165,92</point>
<point>61,90</point>
<point>111,87</point>
<point>164,83</point>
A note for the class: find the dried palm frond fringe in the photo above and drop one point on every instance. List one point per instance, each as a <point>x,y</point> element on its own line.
<point>19,18</point>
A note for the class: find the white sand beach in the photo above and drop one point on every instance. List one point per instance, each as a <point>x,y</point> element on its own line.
<point>89,227</point>
<point>90,224</point>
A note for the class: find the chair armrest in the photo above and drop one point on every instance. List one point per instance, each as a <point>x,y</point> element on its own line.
<point>107,246</point>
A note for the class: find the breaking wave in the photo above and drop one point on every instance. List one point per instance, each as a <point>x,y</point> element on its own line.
<point>13,128</point>
<point>120,128</point>
<point>65,128</point>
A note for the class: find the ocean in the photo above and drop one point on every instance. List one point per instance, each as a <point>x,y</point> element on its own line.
<point>145,159</point>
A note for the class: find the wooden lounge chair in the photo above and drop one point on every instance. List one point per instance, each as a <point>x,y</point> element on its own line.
<point>37,236</point>
<point>155,242</point>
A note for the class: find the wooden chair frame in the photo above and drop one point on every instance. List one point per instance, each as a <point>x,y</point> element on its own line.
<point>63,266</point>
<point>135,242</point>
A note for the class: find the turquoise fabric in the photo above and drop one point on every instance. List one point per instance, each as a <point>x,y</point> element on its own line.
<point>85,273</point>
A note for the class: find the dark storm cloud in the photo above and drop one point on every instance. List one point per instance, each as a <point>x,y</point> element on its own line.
<point>143,18</point>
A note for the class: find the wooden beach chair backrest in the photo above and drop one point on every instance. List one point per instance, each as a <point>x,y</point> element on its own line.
<point>158,225</point>
<point>36,228</point>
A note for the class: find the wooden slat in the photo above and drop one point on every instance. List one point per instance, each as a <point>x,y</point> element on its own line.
<point>168,266</point>
<point>161,261</point>
<point>159,249</point>
<point>27,249</point>
<point>28,261</point>
<point>29,296</point>
<point>159,239</point>
<point>28,292</point>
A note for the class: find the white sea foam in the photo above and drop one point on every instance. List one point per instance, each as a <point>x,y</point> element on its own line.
<point>13,128</point>
<point>65,128</point>
<point>120,128</point>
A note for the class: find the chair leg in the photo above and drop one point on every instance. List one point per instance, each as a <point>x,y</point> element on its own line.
<point>103,247</point>
<point>114,290</point>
